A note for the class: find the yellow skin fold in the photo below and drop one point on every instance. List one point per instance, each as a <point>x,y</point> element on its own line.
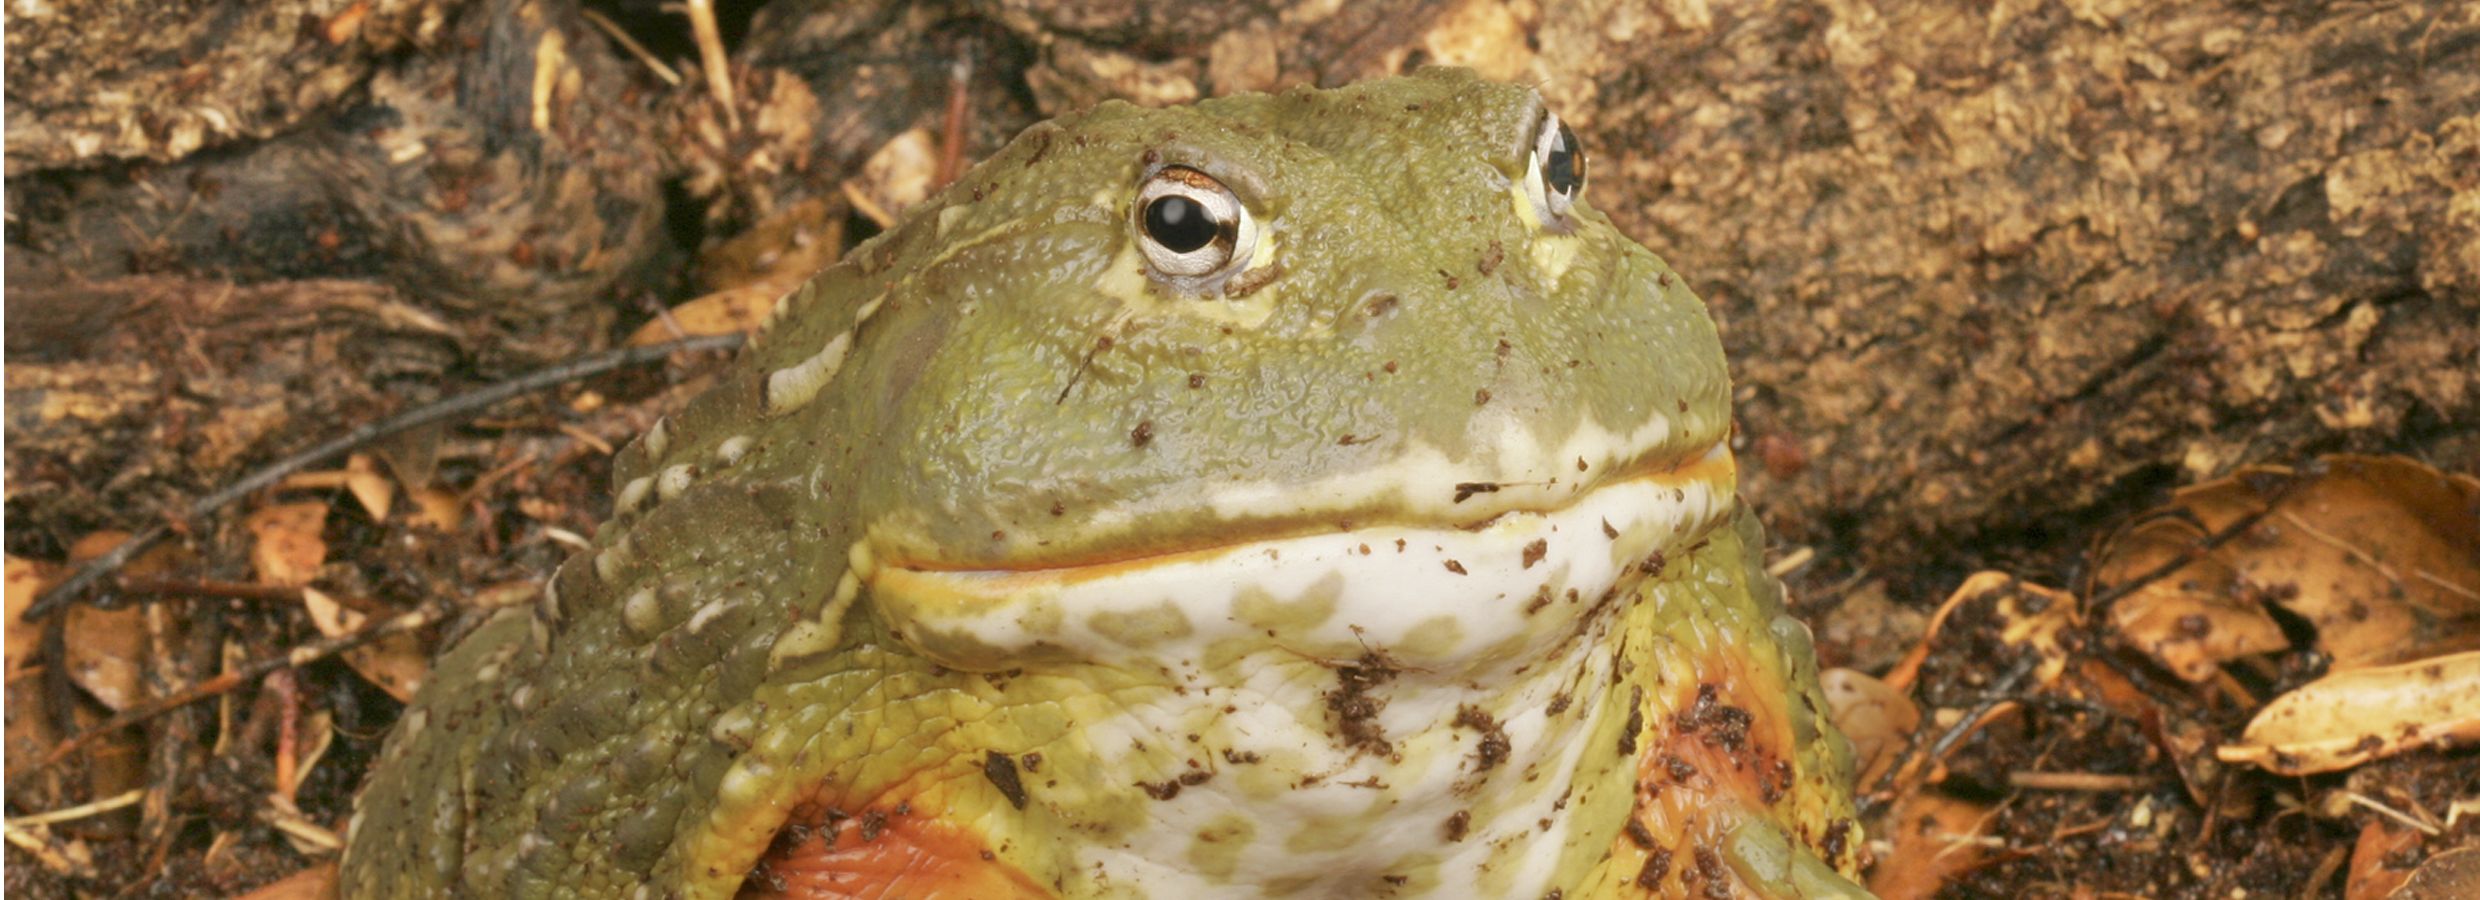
<point>1403,561</point>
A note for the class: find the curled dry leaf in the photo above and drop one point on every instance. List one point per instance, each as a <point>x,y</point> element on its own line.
<point>1878,719</point>
<point>785,249</point>
<point>396,663</point>
<point>314,883</point>
<point>369,485</point>
<point>2029,617</point>
<point>437,508</point>
<point>753,270</point>
<point>2350,717</point>
<point>104,647</point>
<point>288,543</point>
<point>1936,838</point>
<point>733,309</point>
<point>896,177</point>
<point>2452,875</point>
<point>2378,553</point>
<point>2373,875</point>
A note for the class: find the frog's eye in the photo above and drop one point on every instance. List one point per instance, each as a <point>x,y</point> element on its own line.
<point>1192,227</point>
<point>1557,175</point>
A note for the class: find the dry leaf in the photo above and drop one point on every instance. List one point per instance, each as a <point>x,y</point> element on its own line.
<point>376,493</point>
<point>2377,552</point>
<point>2371,877</point>
<point>412,454</point>
<point>750,272</point>
<point>2350,717</point>
<point>288,544</point>
<point>896,177</point>
<point>314,883</point>
<point>26,580</point>
<point>104,647</point>
<point>2030,615</point>
<point>1878,719</point>
<point>396,663</point>
<point>731,310</point>
<point>317,735</point>
<point>2452,875</point>
<point>110,765</point>
<point>2188,621</point>
<point>785,249</point>
<point>437,508</point>
<point>1936,838</point>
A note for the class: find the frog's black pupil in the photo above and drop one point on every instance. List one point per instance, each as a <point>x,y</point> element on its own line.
<point>1564,170</point>
<point>1179,224</point>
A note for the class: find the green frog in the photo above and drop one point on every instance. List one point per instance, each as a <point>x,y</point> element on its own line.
<point>1305,494</point>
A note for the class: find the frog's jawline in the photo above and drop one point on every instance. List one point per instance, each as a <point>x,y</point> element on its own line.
<point>1465,599</point>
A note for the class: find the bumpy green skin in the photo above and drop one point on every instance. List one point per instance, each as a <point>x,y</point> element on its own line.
<point>648,725</point>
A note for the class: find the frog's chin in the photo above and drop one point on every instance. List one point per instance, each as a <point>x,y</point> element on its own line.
<point>1457,601</point>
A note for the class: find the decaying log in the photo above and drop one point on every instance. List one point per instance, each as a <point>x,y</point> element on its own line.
<point>99,81</point>
<point>511,176</point>
<point>1982,267</point>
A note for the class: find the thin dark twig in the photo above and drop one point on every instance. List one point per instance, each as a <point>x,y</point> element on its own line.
<point>1880,794</point>
<point>2212,541</point>
<point>423,615</point>
<point>452,408</point>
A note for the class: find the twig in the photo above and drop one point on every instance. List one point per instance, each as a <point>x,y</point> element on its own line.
<point>48,851</point>
<point>451,408</point>
<point>285,817</point>
<point>612,29</point>
<point>867,207</point>
<point>80,811</point>
<point>288,726</point>
<point>428,612</point>
<point>959,113</point>
<point>1878,795</point>
<point>709,38</point>
<point>2192,554</point>
<point>208,589</point>
<point>2395,814</point>
<point>2081,781</point>
<point>1791,562</point>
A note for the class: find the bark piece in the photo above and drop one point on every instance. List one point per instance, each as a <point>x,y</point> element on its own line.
<point>512,177</point>
<point>1992,265</point>
<point>97,81</point>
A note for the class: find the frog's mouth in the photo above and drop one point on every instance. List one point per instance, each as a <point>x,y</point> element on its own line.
<point>1450,598</point>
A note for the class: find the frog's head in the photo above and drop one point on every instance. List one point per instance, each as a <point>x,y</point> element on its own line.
<point>1351,369</point>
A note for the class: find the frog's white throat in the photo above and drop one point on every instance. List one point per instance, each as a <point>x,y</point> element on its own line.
<point>1362,701</point>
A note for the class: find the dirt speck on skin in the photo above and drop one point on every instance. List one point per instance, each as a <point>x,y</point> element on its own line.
<point>1000,769</point>
<point>1354,704</point>
<point>1494,745</point>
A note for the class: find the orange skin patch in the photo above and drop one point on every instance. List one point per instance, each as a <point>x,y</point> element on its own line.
<point>899,851</point>
<point>1716,759</point>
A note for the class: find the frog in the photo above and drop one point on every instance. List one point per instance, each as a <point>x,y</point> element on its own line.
<point>1299,494</point>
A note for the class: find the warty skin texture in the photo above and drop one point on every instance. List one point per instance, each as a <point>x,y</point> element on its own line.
<point>1003,558</point>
